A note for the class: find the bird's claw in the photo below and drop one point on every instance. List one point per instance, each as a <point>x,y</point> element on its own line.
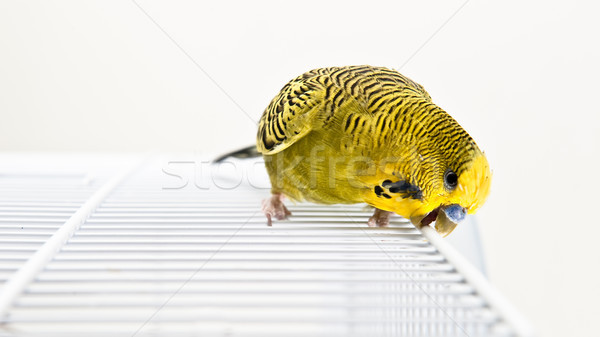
<point>379,218</point>
<point>273,207</point>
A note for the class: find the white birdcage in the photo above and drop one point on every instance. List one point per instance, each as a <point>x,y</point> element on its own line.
<point>98,246</point>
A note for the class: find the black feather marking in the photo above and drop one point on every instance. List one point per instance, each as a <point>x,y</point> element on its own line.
<point>378,119</point>
<point>405,188</point>
<point>383,125</point>
<point>362,70</point>
<point>353,86</point>
<point>269,144</point>
<point>348,120</point>
<point>279,127</point>
<point>378,190</point>
<point>327,92</point>
<point>385,100</point>
<point>373,104</point>
<point>336,96</point>
<point>356,121</point>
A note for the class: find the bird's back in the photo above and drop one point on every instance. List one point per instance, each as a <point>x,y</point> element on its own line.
<point>333,96</point>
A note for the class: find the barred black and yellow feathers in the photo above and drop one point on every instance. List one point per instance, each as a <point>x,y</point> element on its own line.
<point>316,96</point>
<point>313,131</point>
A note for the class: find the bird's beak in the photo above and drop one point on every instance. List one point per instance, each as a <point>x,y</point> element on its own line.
<point>446,218</point>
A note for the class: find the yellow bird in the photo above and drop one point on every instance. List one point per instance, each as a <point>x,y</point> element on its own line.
<point>363,134</point>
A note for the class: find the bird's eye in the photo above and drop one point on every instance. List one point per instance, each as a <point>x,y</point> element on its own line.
<point>450,180</point>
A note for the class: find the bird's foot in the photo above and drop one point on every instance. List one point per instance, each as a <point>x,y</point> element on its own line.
<point>274,207</point>
<point>380,218</point>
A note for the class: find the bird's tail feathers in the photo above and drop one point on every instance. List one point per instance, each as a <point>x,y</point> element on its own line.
<point>247,152</point>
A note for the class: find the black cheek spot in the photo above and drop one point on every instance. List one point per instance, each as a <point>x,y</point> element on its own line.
<point>400,186</point>
<point>407,189</point>
<point>386,183</point>
<point>378,190</point>
<point>387,196</point>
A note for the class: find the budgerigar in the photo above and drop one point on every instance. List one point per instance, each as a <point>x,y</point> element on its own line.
<point>363,134</point>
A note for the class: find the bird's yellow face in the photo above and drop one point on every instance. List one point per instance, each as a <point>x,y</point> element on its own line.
<point>434,193</point>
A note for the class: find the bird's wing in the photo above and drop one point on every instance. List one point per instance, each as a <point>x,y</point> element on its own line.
<point>291,114</point>
<point>348,96</point>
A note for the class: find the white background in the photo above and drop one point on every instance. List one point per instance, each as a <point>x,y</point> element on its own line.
<point>522,78</point>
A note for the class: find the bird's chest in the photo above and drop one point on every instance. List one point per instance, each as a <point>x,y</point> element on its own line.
<point>322,170</point>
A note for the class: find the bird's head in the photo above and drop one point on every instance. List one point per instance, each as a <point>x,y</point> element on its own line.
<point>442,189</point>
